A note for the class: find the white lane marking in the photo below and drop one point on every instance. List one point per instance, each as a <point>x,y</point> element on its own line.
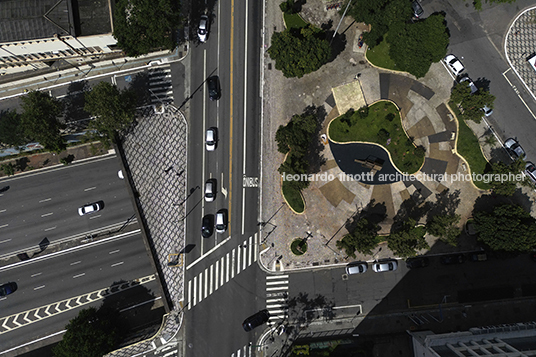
<point>216,275</point>
<point>114,251</point>
<point>206,283</point>
<point>200,287</point>
<point>246,247</point>
<point>203,138</point>
<point>5,240</point>
<point>36,274</point>
<point>2,210</point>
<point>238,254</point>
<point>117,264</point>
<point>5,225</point>
<point>208,253</point>
<point>277,288</point>
<point>51,228</point>
<point>47,214</point>
<point>189,294</point>
<point>195,291</point>
<point>79,275</point>
<point>77,262</point>
<point>256,242</point>
<point>227,269</point>
<point>233,262</point>
<point>211,279</point>
<point>222,261</point>
<point>273,277</point>
<point>90,188</point>
<point>517,92</point>
<point>39,287</point>
<point>45,200</point>
<point>277,282</point>
<point>245,120</point>
<point>93,217</point>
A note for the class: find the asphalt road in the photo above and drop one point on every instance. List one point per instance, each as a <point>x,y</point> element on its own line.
<point>45,204</point>
<point>232,53</point>
<point>70,274</point>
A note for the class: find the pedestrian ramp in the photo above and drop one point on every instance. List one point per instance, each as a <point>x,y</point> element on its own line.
<point>222,271</point>
<point>277,297</point>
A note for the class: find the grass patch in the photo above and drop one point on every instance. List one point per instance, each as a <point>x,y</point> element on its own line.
<point>379,56</point>
<point>382,125</point>
<point>293,197</point>
<point>294,20</point>
<point>298,246</point>
<point>469,147</point>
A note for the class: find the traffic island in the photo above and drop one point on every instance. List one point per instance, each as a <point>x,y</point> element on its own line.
<point>298,246</point>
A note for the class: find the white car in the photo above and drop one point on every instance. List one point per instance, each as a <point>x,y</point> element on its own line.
<point>211,139</point>
<point>89,208</point>
<point>454,64</point>
<point>356,268</point>
<point>386,265</point>
<point>210,190</point>
<point>202,30</point>
<point>221,221</point>
<point>487,110</point>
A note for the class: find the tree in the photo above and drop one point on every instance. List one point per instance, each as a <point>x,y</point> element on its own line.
<point>114,110</point>
<point>471,104</point>
<point>9,169</point>
<point>143,25</point>
<point>93,333</point>
<point>408,239</point>
<point>444,227</point>
<point>39,120</point>
<point>298,51</point>
<point>296,135</point>
<point>503,177</point>
<point>363,238</point>
<point>478,3</point>
<point>507,227</point>
<point>11,132</point>
<point>415,46</point>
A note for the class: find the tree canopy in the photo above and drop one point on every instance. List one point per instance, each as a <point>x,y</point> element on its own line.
<point>39,120</point>
<point>143,25</point>
<point>362,239</point>
<point>93,333</point>
<point>408,239</point>
<point>444,227</point>
<point>471,104</point>
<point>11,132</point>
<point>114,109</point>
<point>298,51</point>
<point>502,182</point>
<point>415,46</point>
<point>507,227</point>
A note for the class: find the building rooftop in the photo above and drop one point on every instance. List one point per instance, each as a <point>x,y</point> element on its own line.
<point>22,20</point>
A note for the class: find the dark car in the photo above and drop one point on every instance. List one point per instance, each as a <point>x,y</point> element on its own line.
<point>207,226</point>
<point>480,256</point>
<point>417,9</point>
<point>513,147</point>
<point>418,262</point>
<point>214,89</point>
<point>7,288</point>
<point>256,320</point>
<point>452,259</point>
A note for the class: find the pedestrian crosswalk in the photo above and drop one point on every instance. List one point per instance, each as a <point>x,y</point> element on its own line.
<point>277,296</point>
<point>223,270</point>
<point>245,351</point>
<point>160,85</point>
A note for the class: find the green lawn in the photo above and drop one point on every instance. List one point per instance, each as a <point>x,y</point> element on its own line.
<point>379,56</point>
<point>469,147</point>
<point>378,129</point>
<point>294,20</point>
<point>293,197</point>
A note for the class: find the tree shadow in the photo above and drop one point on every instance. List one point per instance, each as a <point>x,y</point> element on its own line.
<point>486,203</point>
<point>499,154</point>
<point>140,86</point>
<point>482,83</point>
<point>445,205</point>
<point>314,155</point>
<point>338,43</point>
<point>22,163</point>
<point>374,213</point>
<point>414,208</point>
<point>76,118</point>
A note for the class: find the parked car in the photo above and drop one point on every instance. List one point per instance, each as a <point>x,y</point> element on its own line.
<point>90,208</point>
<point>487,110</point>
<point>221,221</point>
<point>211,138</point>
<point>530,171</point>
<point>207,226</point>
<point>214,89</point>
<point>454,64</point>
<point>470,83</point>
<point>470,227</point>
<point>417,262</point>
<point>384,265</point>
<point>256,320</point>
<point>210,190</point>
<point>452,259</point>
<point>202,30</point>
<point>417,9</point>
<point>7,289</point>
<point>514,148</point>
<point>356,268</point>
<point>480,256</point>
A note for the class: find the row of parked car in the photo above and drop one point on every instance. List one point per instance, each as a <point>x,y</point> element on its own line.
<point>414,263</point>
<point>516,151</point>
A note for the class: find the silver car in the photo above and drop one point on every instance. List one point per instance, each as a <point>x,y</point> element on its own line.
<point>89,208</point>
<point>202,30</point>
<point>356,268</point>
<point>385,265</point>
<point>211,139</point>
<point>210,190</point>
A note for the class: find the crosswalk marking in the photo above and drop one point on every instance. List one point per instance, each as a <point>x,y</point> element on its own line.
<point>276,296</point>
<point>246,351</point>
<point>222,270</point>
<point>160,85</point>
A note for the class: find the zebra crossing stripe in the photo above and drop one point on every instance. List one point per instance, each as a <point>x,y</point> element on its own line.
<point>233,262</point>
<point>200,287</point>
<point>189,294</point>
<point>246,246</point>
<point>216,275</point>
<point>228,258</point>
<point>206,283</point>
<point>195,290</point>
<point>238,254</point>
